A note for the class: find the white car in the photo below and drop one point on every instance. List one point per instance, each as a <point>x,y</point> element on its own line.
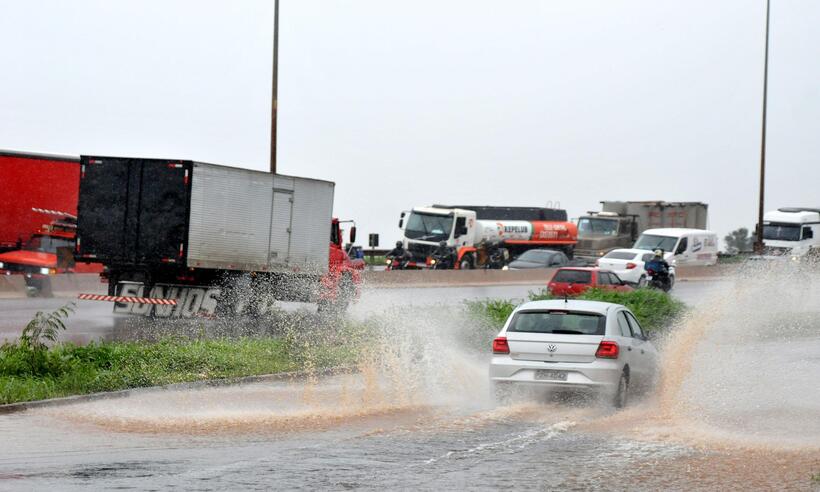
<point>590,346</point>
<point>628,265</point>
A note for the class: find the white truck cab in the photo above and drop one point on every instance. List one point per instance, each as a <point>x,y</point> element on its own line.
<point>681,247</point>
<point>794,230</point>
<point>425,227</point>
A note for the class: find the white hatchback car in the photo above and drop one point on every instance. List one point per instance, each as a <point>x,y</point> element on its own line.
<point>590,346</point>
<point>628,265</point>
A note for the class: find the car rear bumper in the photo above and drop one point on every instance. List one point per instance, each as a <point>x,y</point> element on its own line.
<point>600,376</point>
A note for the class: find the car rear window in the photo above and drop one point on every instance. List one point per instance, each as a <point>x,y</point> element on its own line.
<point>620,255</point>
<point>573,277</point>
<point>558,322</point>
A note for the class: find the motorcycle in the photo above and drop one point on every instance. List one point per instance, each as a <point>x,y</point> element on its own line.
<point>660,280</point>
<point>395,262</point>
<point>497,258</point>
<point>442,260</point>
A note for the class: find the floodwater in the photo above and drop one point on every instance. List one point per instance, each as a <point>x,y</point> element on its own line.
<point>738,407</point>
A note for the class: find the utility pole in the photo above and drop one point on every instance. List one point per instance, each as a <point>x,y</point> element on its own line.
<point>274,86</point>
<point>759,240</point>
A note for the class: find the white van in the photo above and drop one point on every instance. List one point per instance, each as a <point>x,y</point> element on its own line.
<point>681,247</point>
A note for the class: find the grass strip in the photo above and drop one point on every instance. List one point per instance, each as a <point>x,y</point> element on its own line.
<point>66,369</point>
<point>654,309</point>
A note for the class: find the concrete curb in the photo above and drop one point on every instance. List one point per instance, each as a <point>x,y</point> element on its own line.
<point>210,383</point>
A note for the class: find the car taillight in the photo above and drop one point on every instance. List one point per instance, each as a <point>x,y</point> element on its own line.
<point>607,350</point>
<point>630,266</point>
<point>500,346</point>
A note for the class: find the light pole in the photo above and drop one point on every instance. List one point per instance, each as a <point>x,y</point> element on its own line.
<point>759,240</point>
<point>274,86</point>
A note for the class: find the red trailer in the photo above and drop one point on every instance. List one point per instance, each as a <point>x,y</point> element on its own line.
<point>38,217</point>
<point>30,181</point>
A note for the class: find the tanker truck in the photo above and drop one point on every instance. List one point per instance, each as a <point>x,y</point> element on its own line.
<point>465,227</point>
<point>619,224</point>
<point>215,240</point>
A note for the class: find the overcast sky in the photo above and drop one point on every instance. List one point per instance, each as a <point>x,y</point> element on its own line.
<point>405,104</point>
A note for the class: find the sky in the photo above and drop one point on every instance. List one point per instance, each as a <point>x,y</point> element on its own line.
<point>406,104</point>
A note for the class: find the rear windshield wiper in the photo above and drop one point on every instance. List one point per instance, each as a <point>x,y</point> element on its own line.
<point>567,332</point>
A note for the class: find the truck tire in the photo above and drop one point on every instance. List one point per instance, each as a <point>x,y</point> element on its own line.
<point>345,294</point>
<point>466,262</point>
<point>39,287</point>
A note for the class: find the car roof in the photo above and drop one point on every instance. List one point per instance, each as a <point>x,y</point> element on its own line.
<point>570,304</point>
<point>675,231</point>
<point>584,269</point>
<point>630,250</point>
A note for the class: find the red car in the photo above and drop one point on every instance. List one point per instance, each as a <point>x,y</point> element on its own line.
<point>576,281</point>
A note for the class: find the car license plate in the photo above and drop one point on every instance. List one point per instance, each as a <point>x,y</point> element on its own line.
<point>550,374</point>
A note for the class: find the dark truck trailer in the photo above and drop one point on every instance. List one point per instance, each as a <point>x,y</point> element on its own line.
<point>167,228</point>
<point>489,212</point>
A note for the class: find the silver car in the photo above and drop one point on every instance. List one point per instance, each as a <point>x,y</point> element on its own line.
<point>590,346</point>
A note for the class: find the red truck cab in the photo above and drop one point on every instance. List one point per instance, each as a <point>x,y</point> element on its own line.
<point>577,280</point>
<point>343,278</point>
<point>47,252</point>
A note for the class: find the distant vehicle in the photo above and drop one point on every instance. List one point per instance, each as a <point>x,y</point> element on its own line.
<point>577,280</point>
<point>791,231</point>
<point>681,247</point>
<point>539,258</point>
<point>573,345</point>
<point>30,181</point>
<point>467,227</point>
<point>627,264</point>
<point>46,253</point>
<point>660,279</point>
<point>619,224</point>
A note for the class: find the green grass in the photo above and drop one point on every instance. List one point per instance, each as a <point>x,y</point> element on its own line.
<point>67,369</point>
<point>377,260</point>
<point>654,309</point>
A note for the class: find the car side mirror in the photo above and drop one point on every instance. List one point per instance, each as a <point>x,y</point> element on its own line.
<point>352,234</point>
<point>401,223</point>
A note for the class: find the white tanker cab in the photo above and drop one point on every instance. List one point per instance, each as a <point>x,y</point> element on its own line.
<point>467,228</point>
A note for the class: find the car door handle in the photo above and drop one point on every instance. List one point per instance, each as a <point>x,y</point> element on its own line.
<point>642,351</point>
<point>629,348</point>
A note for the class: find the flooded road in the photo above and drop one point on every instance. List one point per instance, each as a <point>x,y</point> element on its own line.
<point>738,407</point>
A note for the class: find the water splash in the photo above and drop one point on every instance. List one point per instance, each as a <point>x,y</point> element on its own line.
<point>741,369</point>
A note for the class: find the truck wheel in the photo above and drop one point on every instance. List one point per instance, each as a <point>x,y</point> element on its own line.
<point>39,287</point>
<point>466,262</point>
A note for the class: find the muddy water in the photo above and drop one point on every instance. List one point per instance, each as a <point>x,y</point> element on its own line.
<point>738,407</point>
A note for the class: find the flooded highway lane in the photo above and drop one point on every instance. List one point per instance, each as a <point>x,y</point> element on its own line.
<point>264,436</point>
<point>738,407</point>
